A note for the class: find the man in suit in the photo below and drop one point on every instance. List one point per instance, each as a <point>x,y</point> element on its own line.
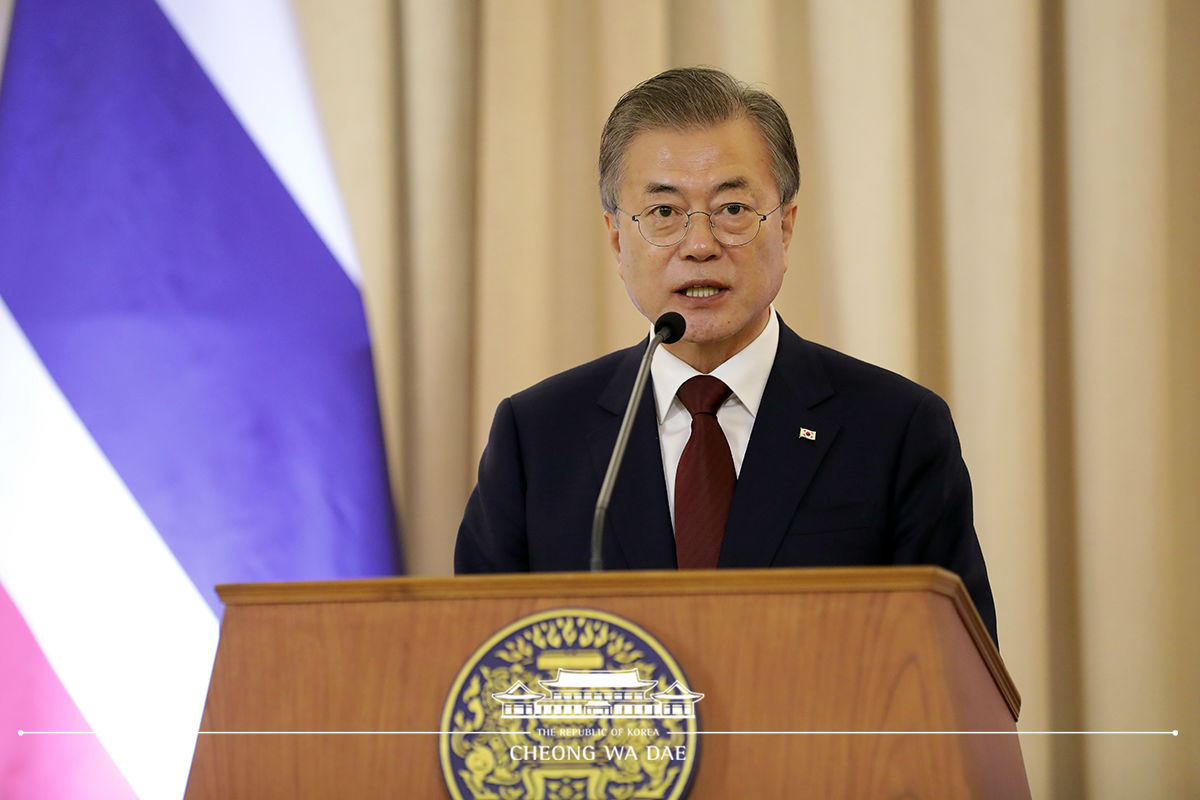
<point>752,447</point>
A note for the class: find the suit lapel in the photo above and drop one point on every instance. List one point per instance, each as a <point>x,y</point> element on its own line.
<point>638,516</point>
<point>780,462</point>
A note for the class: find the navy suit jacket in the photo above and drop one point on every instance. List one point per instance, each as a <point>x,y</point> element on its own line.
<point>882,483</point>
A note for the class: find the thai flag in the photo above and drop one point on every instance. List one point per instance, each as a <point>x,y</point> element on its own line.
<point>186,388</point>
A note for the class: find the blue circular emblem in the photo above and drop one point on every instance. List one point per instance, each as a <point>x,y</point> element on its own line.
<point>570,704</point>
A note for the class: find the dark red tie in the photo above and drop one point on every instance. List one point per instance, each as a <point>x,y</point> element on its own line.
<point>705,479</point>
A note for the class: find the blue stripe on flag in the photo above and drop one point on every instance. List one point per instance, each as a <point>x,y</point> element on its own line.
<point>197,324</point>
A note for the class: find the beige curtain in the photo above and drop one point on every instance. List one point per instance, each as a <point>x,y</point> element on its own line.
<point>999,200</point>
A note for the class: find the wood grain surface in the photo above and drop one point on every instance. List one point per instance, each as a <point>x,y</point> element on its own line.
<point>779,654</point>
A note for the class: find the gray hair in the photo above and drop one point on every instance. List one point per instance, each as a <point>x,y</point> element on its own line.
<point>690,98</point>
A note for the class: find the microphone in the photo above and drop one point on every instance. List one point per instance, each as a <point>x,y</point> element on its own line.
<point>668,329</point>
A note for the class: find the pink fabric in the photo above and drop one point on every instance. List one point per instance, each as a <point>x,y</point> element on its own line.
<point>39,767</point>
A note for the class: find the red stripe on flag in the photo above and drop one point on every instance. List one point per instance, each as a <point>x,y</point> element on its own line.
<point>40,767</point>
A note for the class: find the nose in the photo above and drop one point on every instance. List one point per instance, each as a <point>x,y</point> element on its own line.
<point>698,243</point>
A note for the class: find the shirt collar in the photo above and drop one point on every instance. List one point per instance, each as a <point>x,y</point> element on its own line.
<point>745,373</point>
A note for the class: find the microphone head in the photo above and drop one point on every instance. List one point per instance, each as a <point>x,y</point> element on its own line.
<point>674,325</point>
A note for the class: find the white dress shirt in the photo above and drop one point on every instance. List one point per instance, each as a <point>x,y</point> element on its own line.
<point>745,374</point>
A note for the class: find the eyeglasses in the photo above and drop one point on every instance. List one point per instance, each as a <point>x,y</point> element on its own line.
<point>733,224</point>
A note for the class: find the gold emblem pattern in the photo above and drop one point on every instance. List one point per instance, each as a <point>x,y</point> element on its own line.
<point>561,753</point>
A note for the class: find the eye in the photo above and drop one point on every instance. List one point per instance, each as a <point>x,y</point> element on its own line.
<point>734,209</point>
<point>663,212</point>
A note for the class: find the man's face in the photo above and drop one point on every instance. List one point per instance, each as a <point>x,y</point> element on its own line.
<point>701,170</point>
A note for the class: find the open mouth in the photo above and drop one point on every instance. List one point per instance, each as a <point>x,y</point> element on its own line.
<point>700,290</point>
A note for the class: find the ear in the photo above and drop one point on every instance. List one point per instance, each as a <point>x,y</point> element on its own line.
<point>614,234</point>
<point>788,220</point>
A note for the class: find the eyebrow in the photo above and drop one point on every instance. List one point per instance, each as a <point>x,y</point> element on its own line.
<point>733,183</point>
<point>660,188</point>
<point>654,187</point>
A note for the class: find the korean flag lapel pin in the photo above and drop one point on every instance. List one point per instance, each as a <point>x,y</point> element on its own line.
<point>808,433</point>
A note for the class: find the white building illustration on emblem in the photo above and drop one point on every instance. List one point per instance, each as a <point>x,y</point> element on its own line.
<point>592,693</point>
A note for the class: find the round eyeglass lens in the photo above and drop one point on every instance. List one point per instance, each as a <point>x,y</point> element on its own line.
<point>735,224</point>
<point>663,224</point>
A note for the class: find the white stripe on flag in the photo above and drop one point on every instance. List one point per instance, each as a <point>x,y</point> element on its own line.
<point>118,619</point>
<point>6,10</point>
<point>251,52</point>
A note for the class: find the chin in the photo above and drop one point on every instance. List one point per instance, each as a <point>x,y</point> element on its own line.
<point>702,331</point>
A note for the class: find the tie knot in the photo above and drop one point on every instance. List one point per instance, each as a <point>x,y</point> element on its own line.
<point>703,394</point>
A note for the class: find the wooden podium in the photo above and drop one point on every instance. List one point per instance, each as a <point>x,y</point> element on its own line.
<point>856,682</point>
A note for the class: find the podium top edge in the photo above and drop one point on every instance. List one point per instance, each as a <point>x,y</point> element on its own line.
<point>593,584</point>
